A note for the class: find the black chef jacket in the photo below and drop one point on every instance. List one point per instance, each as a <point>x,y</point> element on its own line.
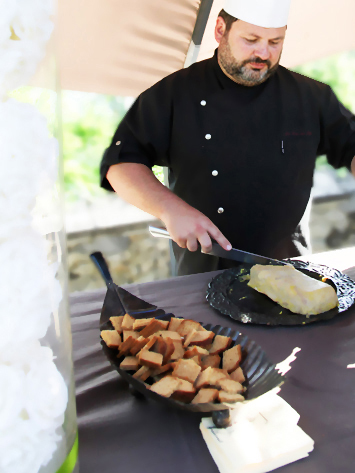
<point>243,156</point>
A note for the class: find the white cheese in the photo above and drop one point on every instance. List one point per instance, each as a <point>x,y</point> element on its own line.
<point>292,289</point>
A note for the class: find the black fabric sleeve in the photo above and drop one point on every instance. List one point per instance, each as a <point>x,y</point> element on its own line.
<point>143,135</point>
<point>337,140</point>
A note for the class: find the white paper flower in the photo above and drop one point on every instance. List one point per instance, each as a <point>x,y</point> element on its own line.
<point>29,291</point>
<point>25,28</point>
<point>12,382</point>
<point>46,395</point>
<point>24,450</point>
<point>28,163</point>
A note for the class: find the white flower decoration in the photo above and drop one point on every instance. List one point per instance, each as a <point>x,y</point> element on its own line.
<point>25,28</point>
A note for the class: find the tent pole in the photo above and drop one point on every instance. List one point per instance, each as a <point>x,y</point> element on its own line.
<point>197,35</point>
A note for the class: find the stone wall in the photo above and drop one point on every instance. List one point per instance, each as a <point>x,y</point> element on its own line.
<point>133,255</point>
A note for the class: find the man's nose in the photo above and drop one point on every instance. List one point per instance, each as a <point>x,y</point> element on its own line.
<point>262,52</point>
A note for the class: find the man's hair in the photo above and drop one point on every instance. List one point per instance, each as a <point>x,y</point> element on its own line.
<point>228,19</point>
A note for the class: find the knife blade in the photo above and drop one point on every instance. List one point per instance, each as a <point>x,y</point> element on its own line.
<point>217,250</point>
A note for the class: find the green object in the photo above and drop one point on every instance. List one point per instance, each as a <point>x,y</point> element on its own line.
<point>70,462</point>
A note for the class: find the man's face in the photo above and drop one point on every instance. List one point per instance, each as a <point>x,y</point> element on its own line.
<point>249,54</point>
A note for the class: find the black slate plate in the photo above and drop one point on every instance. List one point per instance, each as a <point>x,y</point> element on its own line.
<point>260,373</point>
<point>230,295</point>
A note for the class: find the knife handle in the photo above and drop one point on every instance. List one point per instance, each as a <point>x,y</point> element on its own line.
<point>159,232</point>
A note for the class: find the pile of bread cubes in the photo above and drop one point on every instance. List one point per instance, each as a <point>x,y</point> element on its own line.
<point>186,362</point>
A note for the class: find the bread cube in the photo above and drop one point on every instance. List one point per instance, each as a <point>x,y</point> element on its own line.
<point>220,343</point>
<point>117,323</point>
<point>127,322</point>
<point>232,358</point>
<point>186,326</point>
<point>150,359</point>
<point>174,324</point>
<point>143,373</point>
<point>237,375</point>
<point>210,360</point>
<point>202,338</point>
<point>166,386</point>
<point>130,363</point>
<point>111,338</point>
<point>185,392</point>
<point>223,396</point>
<point>187,369</point>
<point>230,386</point>
<point>205,395</point>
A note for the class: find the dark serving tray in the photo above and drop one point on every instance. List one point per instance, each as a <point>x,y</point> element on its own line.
<point>260,373</point>
<point>230,294</point>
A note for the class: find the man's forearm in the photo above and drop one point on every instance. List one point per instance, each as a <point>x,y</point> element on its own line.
<point>136,184</point>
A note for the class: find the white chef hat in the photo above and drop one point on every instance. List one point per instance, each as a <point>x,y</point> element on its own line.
<point>266,13</point>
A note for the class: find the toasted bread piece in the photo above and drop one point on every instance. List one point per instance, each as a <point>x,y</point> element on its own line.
<point>210,377</point>
<point>139,324</point>
<point>227,397</point>
<point>205,395</point>
<point>197,360</point>
<point>162,369</point>
<point>217,374</point>
<point>159,346</point>
<point>195,350</point>
<point>127,322</point>
<point>130,363</point>
<point>150,359</point>
<point>220,343</point>
<point>179,350</point>
<point>187,369</point>
<point>153,326</point>
<point>203,378</point>
<point>170,334</point>
<point>230,386</point>
<point>238,375</point>
<point>130,333</point>
<point>117,323</point>
<point>138,345</point>
<point>186,326</point>
<point>143,373</point>
<point>169,350</point>
<point>210,360</point>
<point>126,346</point>
<point>232,358</point>
<point>174,324</point>
<point>166,386</point>
<point>111,338</point>
<point>189,337</point>
<point>149,344</point>
<point>202,338</point>
<point>185,392</point>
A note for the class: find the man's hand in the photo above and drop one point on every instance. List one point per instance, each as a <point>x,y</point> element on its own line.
<point>188,227</point>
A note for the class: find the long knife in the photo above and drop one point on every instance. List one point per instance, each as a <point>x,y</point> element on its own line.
<point>217,250</point>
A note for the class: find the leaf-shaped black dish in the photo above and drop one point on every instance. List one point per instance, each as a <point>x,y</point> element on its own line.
<point>260,374</point>
<point>230,294</point>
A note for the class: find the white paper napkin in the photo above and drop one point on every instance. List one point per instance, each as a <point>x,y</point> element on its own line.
<point>263,436</point>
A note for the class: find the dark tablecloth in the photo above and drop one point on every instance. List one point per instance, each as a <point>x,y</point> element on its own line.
<point>119,433</point>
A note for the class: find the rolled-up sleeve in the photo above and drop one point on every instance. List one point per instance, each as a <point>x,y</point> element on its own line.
<point>337,131</point>
<point>143,136</point>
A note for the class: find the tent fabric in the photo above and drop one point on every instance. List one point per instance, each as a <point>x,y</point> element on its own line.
<point>122,47</point>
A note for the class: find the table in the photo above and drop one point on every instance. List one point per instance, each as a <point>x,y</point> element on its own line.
<point>120,433</point>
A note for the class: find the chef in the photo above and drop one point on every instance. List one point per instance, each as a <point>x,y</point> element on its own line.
<point>239,134</point>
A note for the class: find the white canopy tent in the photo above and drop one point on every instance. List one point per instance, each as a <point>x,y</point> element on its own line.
<point>121,48</point>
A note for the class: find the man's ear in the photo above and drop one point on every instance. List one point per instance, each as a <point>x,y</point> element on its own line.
<point>220,29</point>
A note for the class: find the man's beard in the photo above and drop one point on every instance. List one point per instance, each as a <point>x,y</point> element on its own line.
<point>238,70</point>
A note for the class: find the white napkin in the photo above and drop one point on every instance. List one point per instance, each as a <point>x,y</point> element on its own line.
<point>263,436</point>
